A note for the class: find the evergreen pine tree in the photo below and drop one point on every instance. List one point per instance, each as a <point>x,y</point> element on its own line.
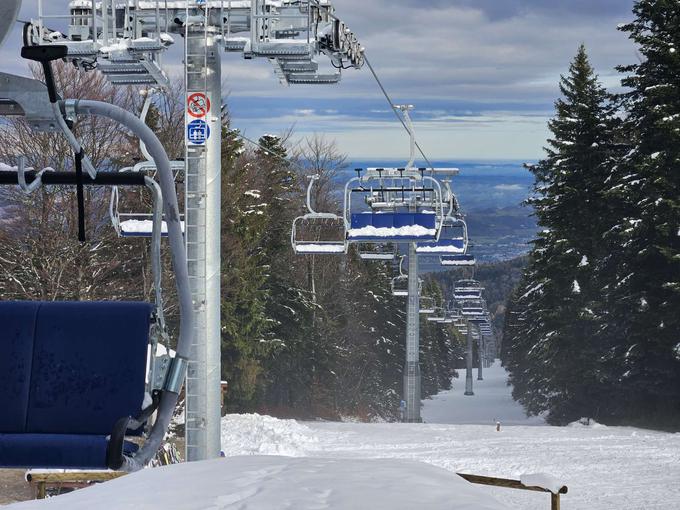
<point>644,272</point>
<point>555,364</point>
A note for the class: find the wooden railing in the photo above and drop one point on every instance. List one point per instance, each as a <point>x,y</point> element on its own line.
<point>72,480</point>
<point>516,484</point>
<point>80,479</point>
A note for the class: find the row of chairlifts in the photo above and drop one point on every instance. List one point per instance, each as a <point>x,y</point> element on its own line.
<point>469,301</point>
<point>403,206</point>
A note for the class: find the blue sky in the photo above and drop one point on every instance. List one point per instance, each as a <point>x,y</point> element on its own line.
<point>482,73</point>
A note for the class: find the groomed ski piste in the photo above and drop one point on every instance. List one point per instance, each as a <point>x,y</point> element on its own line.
<point>286,464</point>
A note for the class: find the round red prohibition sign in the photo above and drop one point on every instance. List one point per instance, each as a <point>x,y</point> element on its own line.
<point>198,105</point>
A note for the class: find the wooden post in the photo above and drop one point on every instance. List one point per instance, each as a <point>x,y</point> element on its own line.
<point>75,480</point>
<point>554,501</point>
<point>41,492</point>
<point>514,484</point>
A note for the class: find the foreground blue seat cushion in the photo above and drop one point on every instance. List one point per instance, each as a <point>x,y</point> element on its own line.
<point>51,450</point>
<point>74,369</point>
<point>17,329</point>
<point>89,366</point>
<point>392,220</point>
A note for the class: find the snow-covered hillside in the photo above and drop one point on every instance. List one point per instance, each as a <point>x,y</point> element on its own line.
<point>334,466</point>
<point>604,467</point>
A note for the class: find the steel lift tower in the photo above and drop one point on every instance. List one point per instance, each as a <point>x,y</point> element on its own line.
<point>412,378</point>
<point>125,40</point>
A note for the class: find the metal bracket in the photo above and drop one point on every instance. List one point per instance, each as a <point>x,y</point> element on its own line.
<point>162,365</point>
<point>176,375</point>
<point>70,110</point>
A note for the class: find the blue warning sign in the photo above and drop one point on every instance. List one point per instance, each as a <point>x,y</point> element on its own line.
<point>198,132</point>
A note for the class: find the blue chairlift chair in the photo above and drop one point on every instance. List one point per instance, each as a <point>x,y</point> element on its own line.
<point>427,305</point>
<point>453,239</point>
<point>376,251</point>
<point>9,10</point>
<point>472,307</point>
<point>73,375</point>
<point>318,233</point>
<point>381,227</point>
<point>438,316</point>
<point>467,289</point>
<point>400,217</point>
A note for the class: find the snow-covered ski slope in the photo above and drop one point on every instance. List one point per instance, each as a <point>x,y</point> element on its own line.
<point>604,467</point>
<point>333,465</point>
<point>492,402</point>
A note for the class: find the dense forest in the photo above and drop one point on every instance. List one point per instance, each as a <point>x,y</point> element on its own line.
<point>302,336</point>
<point>593,328</point>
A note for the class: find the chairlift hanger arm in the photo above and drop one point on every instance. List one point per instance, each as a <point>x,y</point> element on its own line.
<point>11,178</point>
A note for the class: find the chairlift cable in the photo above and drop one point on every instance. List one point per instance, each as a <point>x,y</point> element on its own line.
<point>396,113</point>
<point>272,153</point>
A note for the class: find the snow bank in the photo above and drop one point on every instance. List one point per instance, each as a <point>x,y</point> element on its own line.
<point>267,483</point>
<point>587,423</point>
<point>543,481</point>
<point>253,434</point>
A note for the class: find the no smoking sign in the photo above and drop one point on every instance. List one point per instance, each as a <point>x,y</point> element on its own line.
<point>198,105</point>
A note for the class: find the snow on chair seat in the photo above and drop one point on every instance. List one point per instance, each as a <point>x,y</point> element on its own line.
<point>443,246</point>
<point>382,227</point>
<point>142,228</point>
<point>457,260</point>
<point>302,248</point>
<point>71,374</point>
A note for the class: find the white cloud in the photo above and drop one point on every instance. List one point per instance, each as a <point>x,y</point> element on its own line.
<point>509,187</point>
<point>473,51</point>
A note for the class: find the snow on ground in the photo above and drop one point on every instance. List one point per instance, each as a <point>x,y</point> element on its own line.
<point>279,483</point>
<point>328,466</point>
<point>604,467</point>
<point>492,402</point>
<point>252,434</point>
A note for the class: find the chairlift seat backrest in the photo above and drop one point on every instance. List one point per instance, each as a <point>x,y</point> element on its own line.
<point>8,14</point>
<point>393,226</point>
<point>69,371</point>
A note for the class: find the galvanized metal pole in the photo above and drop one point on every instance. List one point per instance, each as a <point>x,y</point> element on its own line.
<point>412,368</point>
<point>202,227</point>
<point>468,359</point>
<point>480,348</point>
